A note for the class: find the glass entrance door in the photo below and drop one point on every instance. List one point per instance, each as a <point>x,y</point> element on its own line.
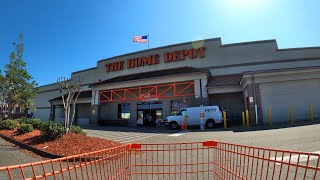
<point>149,112</point>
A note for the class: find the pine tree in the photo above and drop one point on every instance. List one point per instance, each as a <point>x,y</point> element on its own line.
<point>17,87</point>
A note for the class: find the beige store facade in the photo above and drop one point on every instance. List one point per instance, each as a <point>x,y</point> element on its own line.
<point>251,75</point>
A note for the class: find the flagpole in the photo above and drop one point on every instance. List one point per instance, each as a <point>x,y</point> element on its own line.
<point>148,40</point>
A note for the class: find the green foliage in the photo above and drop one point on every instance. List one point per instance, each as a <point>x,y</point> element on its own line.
<point>36,123</point>
<point>9,124</point>
<point>21,120</point>
<point>17,87</point>
<point>52,130</point>
<point>25,128</point>
<point>77,130</point>
<point>2,117</point>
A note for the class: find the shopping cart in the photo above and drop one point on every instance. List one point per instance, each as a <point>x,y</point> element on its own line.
<point>197,160</point>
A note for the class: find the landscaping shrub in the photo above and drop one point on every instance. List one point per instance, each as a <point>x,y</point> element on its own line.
<point>25,128</point>
<point>9,124</point>
<point>52,130</point>
<point>21,120</point>
<point>77,130</point>
<point>36,123</point>
<point>2,117</point>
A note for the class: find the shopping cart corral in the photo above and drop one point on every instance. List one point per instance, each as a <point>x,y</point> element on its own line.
<point>199,160</point>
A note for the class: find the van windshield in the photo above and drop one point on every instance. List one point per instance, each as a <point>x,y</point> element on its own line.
<point>181,112</point>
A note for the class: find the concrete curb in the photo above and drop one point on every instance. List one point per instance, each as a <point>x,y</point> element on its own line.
<point>30,148</point>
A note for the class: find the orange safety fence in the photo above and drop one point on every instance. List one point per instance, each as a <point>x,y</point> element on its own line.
<point>199,160</point>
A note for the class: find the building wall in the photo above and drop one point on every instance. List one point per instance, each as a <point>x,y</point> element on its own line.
<point>279,96</point>
<point>109,111</point>
<point>42,105</point>
<point>59,113</point>
<point>86,76</point>
<point>84,110</point>
<point>43,114</point>
<point>219,59</point>
<point>232,102</point>
<point>41,101</point>
<point>267,66</point>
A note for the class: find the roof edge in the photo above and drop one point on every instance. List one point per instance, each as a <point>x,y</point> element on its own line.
<point>161,47</point>
<point>84,70</point>
<point>249,43</point>
<point>300,48</point>
<point>279,70</point>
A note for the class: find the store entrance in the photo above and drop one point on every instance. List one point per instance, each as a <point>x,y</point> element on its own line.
<point>149,112</point>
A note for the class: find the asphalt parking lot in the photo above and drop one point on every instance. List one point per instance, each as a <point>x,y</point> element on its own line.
<point>12,155</point>
<point>303,138</point>
<point>300,138</point>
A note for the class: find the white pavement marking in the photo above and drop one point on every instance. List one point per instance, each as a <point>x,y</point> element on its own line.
<point>141,138</point>
<point>294,158</point>
<point>178,134</point>
<point>125,137</point>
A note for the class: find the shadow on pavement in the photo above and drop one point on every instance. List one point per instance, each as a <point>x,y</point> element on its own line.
<point>276,126</point>
<point>132,129</point>
<point>167,130</point>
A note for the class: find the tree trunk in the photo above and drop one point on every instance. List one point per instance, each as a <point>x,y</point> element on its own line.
<point>73,113</point>
<point>10,109</point>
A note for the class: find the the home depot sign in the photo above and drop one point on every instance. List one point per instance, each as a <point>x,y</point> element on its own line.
<point>154,59</point>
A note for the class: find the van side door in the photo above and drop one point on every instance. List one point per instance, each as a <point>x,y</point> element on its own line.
<point>217,115</point>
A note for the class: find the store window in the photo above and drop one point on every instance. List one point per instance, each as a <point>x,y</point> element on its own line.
<point>176,105</point>
<point>124,111</point>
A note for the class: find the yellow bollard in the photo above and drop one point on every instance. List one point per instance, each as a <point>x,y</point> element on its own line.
<point>311,113</point>
<point>270,118</point>
<point>291,115</point>
<point>247,118</point>
<point>243,120</point>
<point>225,119</point>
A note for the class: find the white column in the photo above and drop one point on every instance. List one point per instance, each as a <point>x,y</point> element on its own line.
<point>197,88</point>
<point>204,88</point>
<point>95,97</point>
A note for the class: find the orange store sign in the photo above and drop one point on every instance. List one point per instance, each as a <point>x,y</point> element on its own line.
<point>154,59</point>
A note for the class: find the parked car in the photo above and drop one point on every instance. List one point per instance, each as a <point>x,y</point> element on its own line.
<point>212,116</point>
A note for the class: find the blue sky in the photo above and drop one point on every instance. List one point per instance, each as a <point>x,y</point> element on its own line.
<point>63,36</point>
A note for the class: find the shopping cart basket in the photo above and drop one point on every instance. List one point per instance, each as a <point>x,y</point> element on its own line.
<point>197,160</point>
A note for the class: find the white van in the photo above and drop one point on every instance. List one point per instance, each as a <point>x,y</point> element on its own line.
<point>212,116</point>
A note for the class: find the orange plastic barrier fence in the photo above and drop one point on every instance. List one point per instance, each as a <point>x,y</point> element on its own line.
<point>203,160</point>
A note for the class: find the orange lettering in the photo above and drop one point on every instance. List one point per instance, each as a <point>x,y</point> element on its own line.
<point>167,57</point>
<point>131,63</point>
<point>155,59</point>
<point>174,56</point>
<point>139,62</point>
<point>193,53</point>
<point>107,67</point>
<point>114,66</point>
<point>146,60</point>
<point>183,53</point>
<point>120,67</point>
<point>201,50</point>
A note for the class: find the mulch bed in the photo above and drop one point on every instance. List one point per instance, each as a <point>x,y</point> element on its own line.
<point>69,144</point>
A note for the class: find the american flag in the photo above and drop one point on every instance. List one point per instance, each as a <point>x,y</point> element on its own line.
<point>142,39</point>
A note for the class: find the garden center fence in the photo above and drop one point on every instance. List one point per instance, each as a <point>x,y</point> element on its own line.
<point>203,160</point>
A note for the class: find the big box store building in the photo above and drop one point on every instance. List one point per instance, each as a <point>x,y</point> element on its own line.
<point>256,76</point>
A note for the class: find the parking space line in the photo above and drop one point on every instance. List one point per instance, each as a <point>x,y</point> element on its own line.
<point>178,134</point>
<point>141,138</point>
<point>294,158</point>
<point>125,138</point>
